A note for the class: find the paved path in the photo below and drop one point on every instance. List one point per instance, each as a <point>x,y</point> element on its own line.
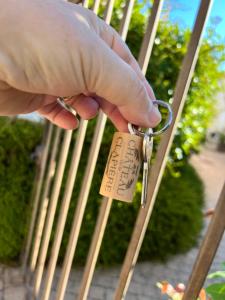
<point>210,166</point>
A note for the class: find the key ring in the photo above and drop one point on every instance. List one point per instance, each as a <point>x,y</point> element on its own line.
<point>62,102</point>
<point>136,130</point>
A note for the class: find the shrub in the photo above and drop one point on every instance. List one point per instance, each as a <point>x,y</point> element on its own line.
<point>175,223</point>
<point>18,140</point>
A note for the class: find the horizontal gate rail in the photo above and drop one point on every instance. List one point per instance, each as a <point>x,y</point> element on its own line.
<point>157,169</point>
<point>208,250</point>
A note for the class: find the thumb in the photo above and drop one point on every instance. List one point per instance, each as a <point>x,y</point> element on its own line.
<point>119,83</point>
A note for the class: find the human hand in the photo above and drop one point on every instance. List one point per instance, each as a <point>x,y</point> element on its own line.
<point>53,48</point>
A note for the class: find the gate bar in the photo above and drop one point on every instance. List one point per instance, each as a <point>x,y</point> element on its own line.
<point>45,199</point>
<point>125,22</point>
<point>96,6</point>
<point>82,200</point>
<point>52,210</point>
<point>67,195</point>
<point>208,250</point>
<point>95,248</point>
<point>149,38</point>
<point>107,202</point>
<point>158,167</point>
<point>85,189</point>
<point>64,208</point>
<point>85,3</point>
<point>40,178</point>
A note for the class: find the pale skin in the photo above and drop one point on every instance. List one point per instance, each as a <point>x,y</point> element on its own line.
<point>53,48</point>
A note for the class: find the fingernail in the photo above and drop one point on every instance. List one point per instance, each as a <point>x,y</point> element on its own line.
<point>70,122</point>
<point>154,116</point>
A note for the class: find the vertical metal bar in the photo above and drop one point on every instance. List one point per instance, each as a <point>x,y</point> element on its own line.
<point>106,202</point>
<point>108,11</point>
<point>37,193</point>
<point>157,169</point>
<point>67,196</point>
<point>208,250</point>
<point>96,6</point>
<point>124,25</point>
<point>85,189</point>
<point>95,248</point>
<point>85,3</point>
<point>82,200</point>
<point>64,208</point>
<point>45,200</point>
<point>51,211</point>
<point>149,38</point>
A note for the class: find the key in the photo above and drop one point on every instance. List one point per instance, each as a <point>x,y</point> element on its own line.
<point>147,152</point>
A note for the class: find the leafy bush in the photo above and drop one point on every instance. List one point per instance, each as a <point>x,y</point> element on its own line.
<point>18,140</point>
<point>216,290</point>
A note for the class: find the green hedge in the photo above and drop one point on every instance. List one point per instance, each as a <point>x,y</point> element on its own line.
<point>18,140</point>
<point>176,219</point>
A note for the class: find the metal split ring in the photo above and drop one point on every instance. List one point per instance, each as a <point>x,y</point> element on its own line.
<point>137,130</point>
<point>62,102</point>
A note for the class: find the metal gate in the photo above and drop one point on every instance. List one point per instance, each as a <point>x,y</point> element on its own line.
<point>45,203</point>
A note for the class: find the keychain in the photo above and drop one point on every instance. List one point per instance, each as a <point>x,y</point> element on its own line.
<point>128,151</point>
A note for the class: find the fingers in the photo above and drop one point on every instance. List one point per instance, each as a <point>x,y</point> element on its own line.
<point>113,39</point>
<point>59,116</point>
<point>118,120</point>
<point>114,114</point>
<point>86,107</point>
<point>56,114</point>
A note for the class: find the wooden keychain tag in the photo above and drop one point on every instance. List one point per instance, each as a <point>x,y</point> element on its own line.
<point>128,151</point>
<point>123,166</point>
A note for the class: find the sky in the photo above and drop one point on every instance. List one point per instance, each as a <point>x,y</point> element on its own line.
<point>184,12</point>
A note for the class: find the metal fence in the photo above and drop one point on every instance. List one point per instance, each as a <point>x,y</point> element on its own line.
<point>51,173</point>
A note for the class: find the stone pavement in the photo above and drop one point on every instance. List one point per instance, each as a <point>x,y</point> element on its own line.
<point>210,166</point>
